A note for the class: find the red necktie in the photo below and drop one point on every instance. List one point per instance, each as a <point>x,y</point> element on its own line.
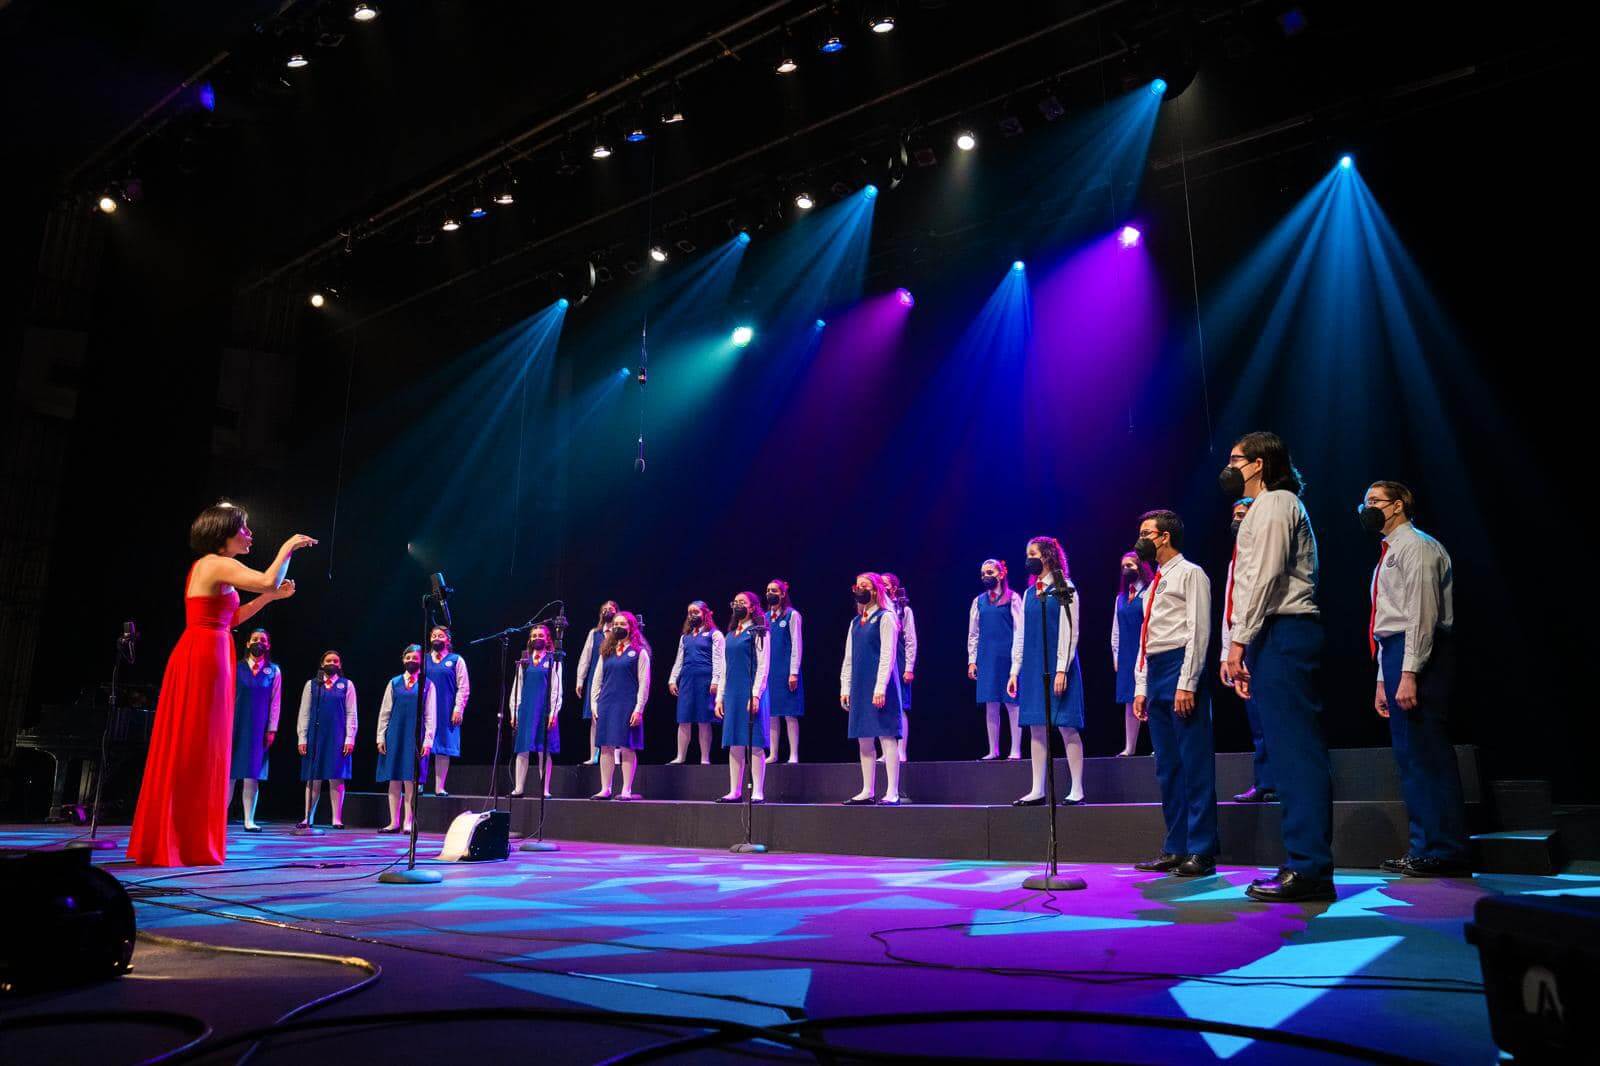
<point>1232,567</point>
<point>1149,607</point>
<point>1372,620</point>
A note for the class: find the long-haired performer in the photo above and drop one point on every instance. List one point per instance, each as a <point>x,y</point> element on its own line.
<point>905,652</point>
<point>399,762</point>
<point>1169,691</point>
<point>743,663</point>
<point>869,687</point>
<point>621,688</point>
<point>1261,789</point>
<point>448,672</point>
<point>182,817</point>
<point>1274,653</point>
<point>1049,580</point>
<point>787,696</point>
<point>535,707</point>
<point>258,697</point>
<point>992,622</point>
<point>691,680</point>
<point>327,727</point>
<point>588,667</point>
<point>1125,622</point>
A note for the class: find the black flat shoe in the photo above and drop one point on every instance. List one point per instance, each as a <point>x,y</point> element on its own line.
<point>390,829</point>
<point>757,803</point>
<point>730,799</point>
<point>1066,802</point>
<point>515,795</point>
<point>336,825</point>
<point>1028,803</point>
<point>1196,866</point>
<point>1291,887</point>
<point>252,829</point>
<point>601,796</point>
<point>1163,863</point>
<point>860,802</point>
<point>1437,868</point>
<point>1396,866</point>
<point>1257,795</point>
<point>890,803</point>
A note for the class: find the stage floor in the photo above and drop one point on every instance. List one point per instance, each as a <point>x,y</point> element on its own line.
<point>764,940</point>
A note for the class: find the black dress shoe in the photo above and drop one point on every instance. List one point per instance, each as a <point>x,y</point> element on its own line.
<point>1437,868</point>
<point>1068,801</point>
<point>1291,887</point>
<point>1160,864</point>
<point>730,799</point>
<point>1396,866</point>
<point>1028,803</point>
<point>853,802</point>
<point>1257,795</point>
<point>1196,866</point>
<point>252,829</point>
<point>390,829</point>
<point>514,795</point>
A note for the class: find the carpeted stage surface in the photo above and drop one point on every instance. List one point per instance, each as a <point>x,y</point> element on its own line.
<point>764,940</point>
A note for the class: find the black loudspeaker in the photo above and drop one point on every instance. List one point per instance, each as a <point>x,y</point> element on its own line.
<point>1541,974</point>
<point>484,836</point>
<point>63,921</point>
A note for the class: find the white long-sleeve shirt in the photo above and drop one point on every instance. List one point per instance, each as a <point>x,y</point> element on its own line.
<point>1179,614</point>
<point>555,691</point>
<point>677,664</point>
<point>1413,593</point>
<point>303,727</point>
<point>1275,571</point>
<point>463,685</point>
<point>1227,623</point>
<point>644,680</point>
<point>1066,636</point>
<point>972,621</point>
<point>1116,623</point>
<point>719,665</point>
<point>277,695</point>
<point>888,636</point>
<point>908,636</point>
<point>590,648</point>
<point>793,618</point>
<point>430,711</point>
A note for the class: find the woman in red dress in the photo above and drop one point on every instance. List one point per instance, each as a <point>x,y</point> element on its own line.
<point>183,804</point>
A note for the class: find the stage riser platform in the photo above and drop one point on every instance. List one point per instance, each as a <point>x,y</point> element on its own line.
<point>1365,832</point>
<point>1358,774</point>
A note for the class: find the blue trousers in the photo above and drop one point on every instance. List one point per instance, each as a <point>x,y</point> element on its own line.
<point>1186,760</point>
<point>1284,661</point>
<point>1261,770</point>
<point>1430,779</point>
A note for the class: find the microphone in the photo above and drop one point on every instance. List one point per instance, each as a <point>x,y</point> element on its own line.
<point>440,592</point>
<point>127,643</point>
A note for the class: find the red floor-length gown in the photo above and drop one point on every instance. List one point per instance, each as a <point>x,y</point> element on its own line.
<point>182,818</point>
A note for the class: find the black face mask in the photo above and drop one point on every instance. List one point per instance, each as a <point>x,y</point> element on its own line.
<point>773,599</point>
<point>863,596</point>
<point>1372,519</point>
<point>1231,481</point>
<point>620,632</point>
<point>740,612</point>
<point>1233,527</point>
<point>412,668</point>
<point>539,644</point>
<point>258,650</point>
<point>606,618</point>
<point>1145,549</point>
<point>437,645</point>
<point>1035,565</point>
<point>695,621</point>
<point>331,671</point>
<point>989,581</point>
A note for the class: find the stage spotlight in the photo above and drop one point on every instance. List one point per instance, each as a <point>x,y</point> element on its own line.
<point>364,13</point>
<point>107,204</point>
<point>786,63</point>
<point>880,20</point>
<point>1159,86</point>
<point>1346,162</point>
<point>672,113</point>
<point>658,253</point>
<point>905,297</point>
<point>743,237</point>
<point>742,336</point>
<point>831,43</point>
<point>477,208</point>
<point>1128,236</point>
<point>505,190</point>
<point>636,134</point>
<point>451,222</point>
<point>804,201</point>
<point>966,140</point>
<point>318,300</point>
<point>297,60</point>
<point>1018,265</point>
<point>870,192</point>
<point>623,372</point>
<point>601,149</point>
<point>207,95</point>
<point>635,130</point>
<point>565,303</point>
<point>821,322</point>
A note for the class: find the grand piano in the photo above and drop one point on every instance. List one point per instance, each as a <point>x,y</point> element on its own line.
<point>71,735</point>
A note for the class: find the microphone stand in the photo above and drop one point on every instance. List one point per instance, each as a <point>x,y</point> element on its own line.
<point>747,846</point>
<point>1050,880</point>
<point>900,605</point>
<point>311,748</point>
<point>125,650</point>
<point>411,875</point>
<point>558,632</point>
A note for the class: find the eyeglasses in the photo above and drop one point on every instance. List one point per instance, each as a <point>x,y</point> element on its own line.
<point>1239,460</point>
<point>1375,504</point>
